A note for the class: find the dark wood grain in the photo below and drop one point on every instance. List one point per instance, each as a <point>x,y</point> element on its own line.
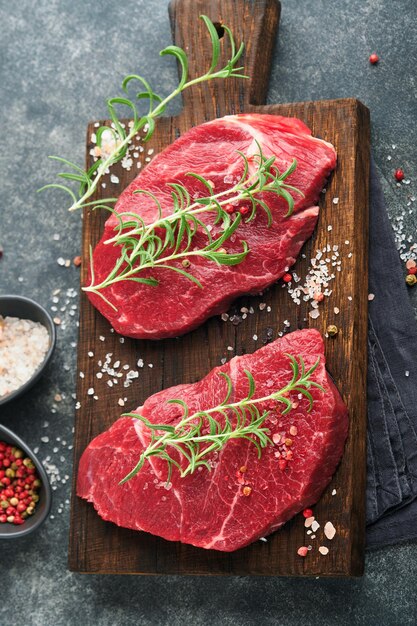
<point>97,546</point>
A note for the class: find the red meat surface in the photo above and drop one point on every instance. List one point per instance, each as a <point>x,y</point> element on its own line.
<point>209,509</point>
<point>178,305</point>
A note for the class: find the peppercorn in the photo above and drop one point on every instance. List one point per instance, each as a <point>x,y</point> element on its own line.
<point>412,270</point>
<point>332,330</point>
<point>19,484</point>
<point>287,278</point>
<point>186,263</point>
<point>247,491</point>
<point>373,59</point>
<point>399,175</point>
<point>282,464</point>
<point>410,279</point>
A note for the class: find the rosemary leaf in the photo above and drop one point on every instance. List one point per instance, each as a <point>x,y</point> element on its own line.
<point>241,419</point>
<point>156,107</point>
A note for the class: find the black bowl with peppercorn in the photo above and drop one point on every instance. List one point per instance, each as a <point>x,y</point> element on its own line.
<point>25,492</point>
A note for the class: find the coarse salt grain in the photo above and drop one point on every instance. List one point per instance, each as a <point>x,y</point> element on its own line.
<point>371,296</point>
<point>323,550</point>
<point>315,526</point>
<point>23,346</point>
<point>308,522</point>
<point>334,492</point>
<point>329,530</point>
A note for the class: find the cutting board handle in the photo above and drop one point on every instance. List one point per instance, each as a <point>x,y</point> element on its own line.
<point>255,22</point>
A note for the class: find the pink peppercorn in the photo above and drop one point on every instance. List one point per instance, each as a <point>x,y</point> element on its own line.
<point>373,59</point>
<point>399,174</point>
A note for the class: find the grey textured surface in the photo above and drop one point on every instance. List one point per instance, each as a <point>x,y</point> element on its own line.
<point>59,60</point>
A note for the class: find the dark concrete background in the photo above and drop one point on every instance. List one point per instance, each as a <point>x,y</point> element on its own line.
<point>59,60</point>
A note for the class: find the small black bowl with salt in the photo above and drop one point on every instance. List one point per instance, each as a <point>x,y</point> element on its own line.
<point>27,341</point>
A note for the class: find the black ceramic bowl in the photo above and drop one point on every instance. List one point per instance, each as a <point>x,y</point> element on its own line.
<point>10,531</point>
<point>25,308</point>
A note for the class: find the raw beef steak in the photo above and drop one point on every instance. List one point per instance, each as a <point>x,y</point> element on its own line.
<point>243,497</point>
<point>178,305</point>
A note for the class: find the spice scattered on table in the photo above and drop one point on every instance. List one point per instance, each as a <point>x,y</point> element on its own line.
<point>19,485</point>
<point>332,330</point>
<point>23,346</point>
<point>302,551</point>
<point>329,530</point>
<point>399,175</point>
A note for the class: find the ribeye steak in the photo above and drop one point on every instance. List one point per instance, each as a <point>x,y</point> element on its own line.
<point>243,497</point>
<point>178,305</point>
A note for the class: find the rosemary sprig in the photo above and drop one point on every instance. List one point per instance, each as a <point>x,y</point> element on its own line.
<point>169,239</point>
<point>199,434</point>
<point>88,180</point>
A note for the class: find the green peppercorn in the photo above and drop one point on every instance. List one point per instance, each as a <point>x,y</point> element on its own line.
<point>14,501</point>
<point>4,504</point>
<point>35,498</point>
<point>18,454</point>
<point>37,483</point>
<point>411,280</point>
<point>332,330</point>
<point>10,473</point>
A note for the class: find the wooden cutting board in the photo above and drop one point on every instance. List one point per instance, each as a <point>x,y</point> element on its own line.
<point>100,547</point>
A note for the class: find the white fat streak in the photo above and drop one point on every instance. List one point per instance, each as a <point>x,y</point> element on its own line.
<point>139,428</point>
